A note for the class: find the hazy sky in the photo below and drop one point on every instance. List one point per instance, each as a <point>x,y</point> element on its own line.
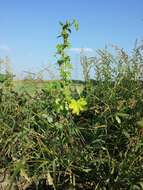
<point>28,28</point>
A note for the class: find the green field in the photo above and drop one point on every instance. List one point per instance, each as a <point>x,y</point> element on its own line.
<point>30,86</point>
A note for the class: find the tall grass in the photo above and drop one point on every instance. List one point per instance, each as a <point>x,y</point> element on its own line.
<point>43,143</point>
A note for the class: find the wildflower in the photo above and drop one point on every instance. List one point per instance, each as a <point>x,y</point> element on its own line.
<point>77,105</point>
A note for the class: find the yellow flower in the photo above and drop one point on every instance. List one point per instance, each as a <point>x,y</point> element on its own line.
<point>77,105</point>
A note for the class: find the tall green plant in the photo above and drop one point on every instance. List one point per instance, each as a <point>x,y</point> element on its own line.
<point>64,59</point>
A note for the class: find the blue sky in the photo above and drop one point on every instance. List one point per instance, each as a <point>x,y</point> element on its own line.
<point>28,28</point>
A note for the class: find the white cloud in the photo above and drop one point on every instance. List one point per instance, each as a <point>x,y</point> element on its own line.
<point>5,48</point>
<point>78,50</point>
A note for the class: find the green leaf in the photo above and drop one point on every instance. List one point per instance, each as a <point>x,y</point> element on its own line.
<point>75,24</point>
<point>87,170</point>
<point>118,119</point>
<point>50,119</point>
<point>49,179</point>
<point>126,134</point>
<point>124,115</point>
<point>140,123</point>
<point>61,23</point>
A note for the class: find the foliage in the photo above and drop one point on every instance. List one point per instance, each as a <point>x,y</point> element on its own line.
<point>86,64</point>
<point>68,138</point>
<point>64,59</point>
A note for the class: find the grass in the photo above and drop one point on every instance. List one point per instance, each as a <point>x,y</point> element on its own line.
<point>75,135</point>
<point>29,85</point>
